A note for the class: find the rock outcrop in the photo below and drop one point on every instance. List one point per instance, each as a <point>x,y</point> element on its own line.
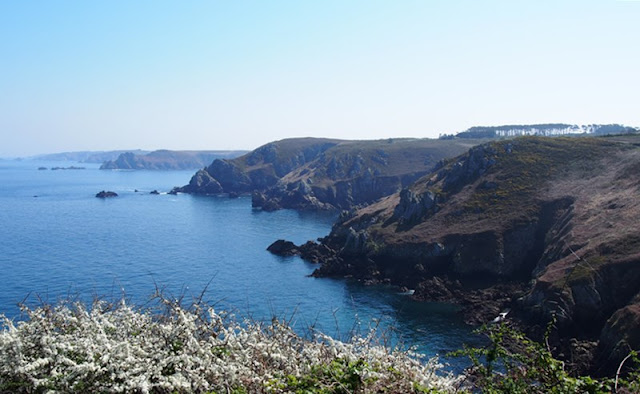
<point>283,248</point>
<point>619,335</point>
<point>106,194</point>
<point>325,174</point>
<point>262,168</point>
<point>545,226</point>
<point>205,183</point>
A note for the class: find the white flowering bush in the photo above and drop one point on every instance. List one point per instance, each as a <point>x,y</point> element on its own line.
<point>118,348</point>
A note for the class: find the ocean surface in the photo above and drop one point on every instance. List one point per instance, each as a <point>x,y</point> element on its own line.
<point>58,241</point>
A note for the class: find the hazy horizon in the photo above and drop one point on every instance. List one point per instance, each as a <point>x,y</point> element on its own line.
<point>87,76</point>
<point>136,149</point>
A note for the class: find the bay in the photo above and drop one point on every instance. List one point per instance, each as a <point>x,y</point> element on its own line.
<point>58,241</point>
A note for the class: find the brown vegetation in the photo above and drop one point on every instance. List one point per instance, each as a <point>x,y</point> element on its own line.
<point>558,216</point>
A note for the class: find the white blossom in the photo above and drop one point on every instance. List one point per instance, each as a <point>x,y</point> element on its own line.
<point>119,349</point>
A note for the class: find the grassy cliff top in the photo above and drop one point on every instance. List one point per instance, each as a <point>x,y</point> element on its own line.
<point>500,183</point>
<point>304,158</point>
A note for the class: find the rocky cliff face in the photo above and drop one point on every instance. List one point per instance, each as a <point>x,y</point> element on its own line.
<point>261,168</point>
<point>555,220</point>
<point>311,174</point>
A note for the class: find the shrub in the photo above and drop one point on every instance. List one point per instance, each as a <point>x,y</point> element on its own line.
<point>512,363</point>
<point>116,348</point>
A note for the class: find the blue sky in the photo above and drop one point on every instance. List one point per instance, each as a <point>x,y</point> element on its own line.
<point>89,75</point>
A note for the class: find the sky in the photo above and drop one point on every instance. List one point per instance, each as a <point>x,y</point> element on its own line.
<point>154,74</point>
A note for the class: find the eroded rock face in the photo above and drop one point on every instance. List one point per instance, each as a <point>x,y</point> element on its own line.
<point>230,177</point>
<point>511,254</point>
<point>434,289</point>
<point>364,188</point>
<point>413,208</point>
<point>356,243</point>
<point>323,174</point>
<point>125,161</point>
<point>315,253</point>
<point>205,183</point>
<point>619,335</point>
<point>586,299</point>
<point>470,167</point>
<point>262,168</point>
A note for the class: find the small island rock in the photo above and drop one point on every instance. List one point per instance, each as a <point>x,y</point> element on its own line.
<point>105,194</point>
<point>283,248</point>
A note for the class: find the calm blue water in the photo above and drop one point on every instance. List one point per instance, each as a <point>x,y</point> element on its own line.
<point>58,241</point>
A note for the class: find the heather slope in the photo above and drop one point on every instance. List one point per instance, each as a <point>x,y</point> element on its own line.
<point>316,173</point>
<point>555,217</point>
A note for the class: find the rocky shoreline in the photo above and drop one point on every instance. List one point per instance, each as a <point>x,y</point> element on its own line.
<point>480,304</point>
<point>543,227</point>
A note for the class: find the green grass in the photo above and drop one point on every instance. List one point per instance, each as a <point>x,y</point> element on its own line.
<point>513,363</point>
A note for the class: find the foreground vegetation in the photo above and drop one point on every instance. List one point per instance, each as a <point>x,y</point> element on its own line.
<point>116,348</point>
<point>512,363</point>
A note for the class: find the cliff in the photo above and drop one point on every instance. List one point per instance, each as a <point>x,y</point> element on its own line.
<point>166,160</point>
<point>546,226</point>
<point>316,173</point>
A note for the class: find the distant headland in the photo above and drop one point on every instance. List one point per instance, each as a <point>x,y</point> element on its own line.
<point>167,160</point>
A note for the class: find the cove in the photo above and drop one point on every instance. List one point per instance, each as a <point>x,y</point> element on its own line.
<point>65,243</point>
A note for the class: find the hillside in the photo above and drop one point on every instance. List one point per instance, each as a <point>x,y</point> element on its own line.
<point>316,173</point>
<point>546,226</point>
<point>166,160</point>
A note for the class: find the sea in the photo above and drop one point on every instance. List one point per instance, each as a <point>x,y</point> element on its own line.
<point>59,242</point>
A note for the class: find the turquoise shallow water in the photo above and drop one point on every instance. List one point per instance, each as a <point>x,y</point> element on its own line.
<point>58,241</point>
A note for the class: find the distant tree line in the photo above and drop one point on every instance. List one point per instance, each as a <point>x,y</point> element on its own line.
<point>613,129</point>
<point>546,129</point>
